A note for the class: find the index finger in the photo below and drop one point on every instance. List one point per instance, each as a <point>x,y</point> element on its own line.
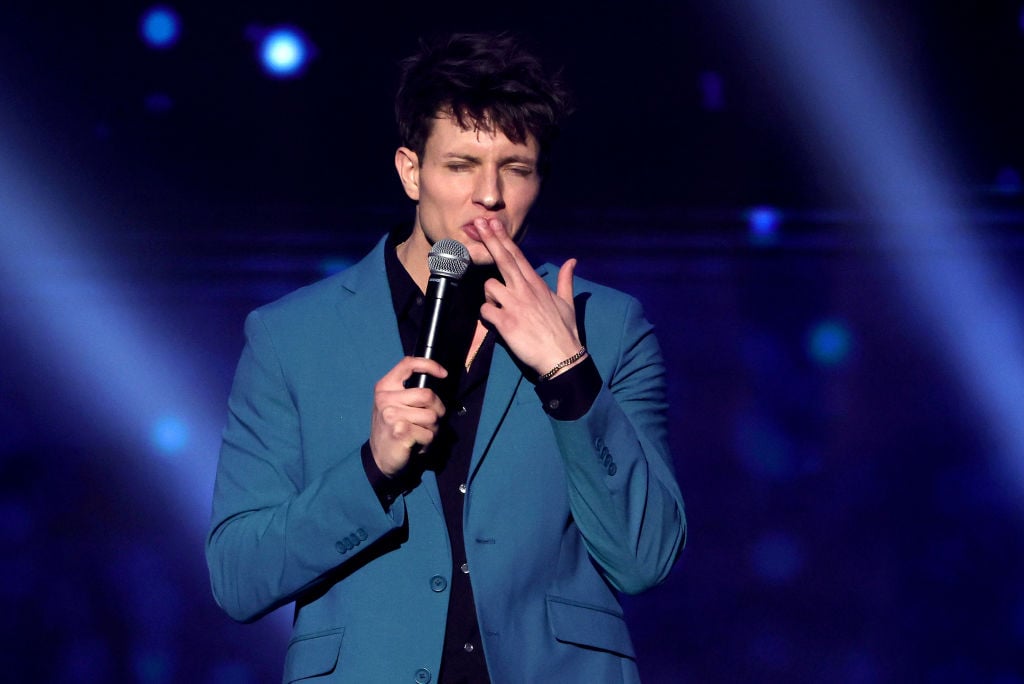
<point>506,253</point>
<point>403,370</point>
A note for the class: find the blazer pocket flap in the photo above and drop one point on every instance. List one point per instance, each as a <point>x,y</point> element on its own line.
<point>589,625</point>
<point>314,654</point>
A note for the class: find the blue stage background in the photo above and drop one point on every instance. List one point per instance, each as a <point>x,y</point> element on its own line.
<point>846,394</point>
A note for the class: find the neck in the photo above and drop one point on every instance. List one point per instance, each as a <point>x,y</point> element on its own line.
<point>413,257</point>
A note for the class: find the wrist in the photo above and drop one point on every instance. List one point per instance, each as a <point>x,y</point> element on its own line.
<point>564,365</point>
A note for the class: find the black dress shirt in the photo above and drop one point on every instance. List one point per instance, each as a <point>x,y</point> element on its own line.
<point>565,397</point>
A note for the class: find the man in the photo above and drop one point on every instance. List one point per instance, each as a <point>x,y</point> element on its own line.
<point>480,535</point>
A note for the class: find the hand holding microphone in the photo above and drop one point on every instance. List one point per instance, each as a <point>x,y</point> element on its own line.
<point>407,415</point>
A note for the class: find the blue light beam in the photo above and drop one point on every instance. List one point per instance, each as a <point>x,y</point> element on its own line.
<point>848,94</point>
<point>115,359</point>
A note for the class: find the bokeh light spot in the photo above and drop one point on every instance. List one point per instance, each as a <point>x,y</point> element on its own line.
<point>284,52</point>
<point>160,27</point>
<point>763,223</point>
<point>332,265</point>
<point>829,343</point>
<point>170,435</point>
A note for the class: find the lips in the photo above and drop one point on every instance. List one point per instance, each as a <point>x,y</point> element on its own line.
<point>470,230</point>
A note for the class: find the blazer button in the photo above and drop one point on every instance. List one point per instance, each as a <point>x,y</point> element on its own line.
<point>438,584</point>
<point>422,676</point>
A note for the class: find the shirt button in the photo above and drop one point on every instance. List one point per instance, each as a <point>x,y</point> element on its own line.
<point>419,300</point>
<point>462,488</point>
<point>464,568</point>
<point>462,411</point>
<point>468,647</point>
<point>554,404</point>
<point>438,583</point>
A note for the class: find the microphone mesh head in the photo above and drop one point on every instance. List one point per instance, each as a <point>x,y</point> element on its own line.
<point>448,258</point>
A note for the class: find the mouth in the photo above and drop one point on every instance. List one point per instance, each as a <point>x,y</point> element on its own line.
<point>471,231</point>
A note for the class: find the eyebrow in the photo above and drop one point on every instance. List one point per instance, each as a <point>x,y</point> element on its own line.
<point>511,159</point>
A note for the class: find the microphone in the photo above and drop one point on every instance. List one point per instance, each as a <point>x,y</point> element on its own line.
<point>448,262</point>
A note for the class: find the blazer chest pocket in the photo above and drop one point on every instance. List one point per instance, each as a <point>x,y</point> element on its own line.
<point>588,625</point>
<point>312,655</point>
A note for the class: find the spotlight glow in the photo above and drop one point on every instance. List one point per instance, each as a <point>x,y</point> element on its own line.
<point>170,435</point>
<point>764,224</point>
<point>829,343</point>
<point>284,52</point>
<point>160,27</point>
<point>333,265</point>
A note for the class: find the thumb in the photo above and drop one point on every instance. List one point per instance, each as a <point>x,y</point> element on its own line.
<point>565,274</point>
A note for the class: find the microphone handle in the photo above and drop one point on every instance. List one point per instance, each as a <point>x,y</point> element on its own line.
<point>432,338</point>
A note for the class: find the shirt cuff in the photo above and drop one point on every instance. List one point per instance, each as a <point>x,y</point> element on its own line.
<point>386,488</point>
<point>569,395</point>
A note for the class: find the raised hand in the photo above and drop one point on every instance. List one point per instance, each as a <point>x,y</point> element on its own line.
<point>538,325</point>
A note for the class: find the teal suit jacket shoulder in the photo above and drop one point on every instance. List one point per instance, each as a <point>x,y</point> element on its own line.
<point>558,515</point>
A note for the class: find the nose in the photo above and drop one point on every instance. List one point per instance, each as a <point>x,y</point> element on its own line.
<point>488,192</point>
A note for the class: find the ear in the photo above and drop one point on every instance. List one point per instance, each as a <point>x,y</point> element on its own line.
<point>407,163</point>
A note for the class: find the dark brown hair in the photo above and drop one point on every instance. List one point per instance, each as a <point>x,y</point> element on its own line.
<point>484,81</point>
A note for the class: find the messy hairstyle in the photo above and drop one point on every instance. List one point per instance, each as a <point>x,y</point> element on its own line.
<point>484,81</point>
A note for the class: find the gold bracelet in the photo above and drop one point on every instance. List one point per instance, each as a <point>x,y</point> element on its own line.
<point>562,364</point>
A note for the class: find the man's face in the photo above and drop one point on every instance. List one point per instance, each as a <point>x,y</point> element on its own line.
<point>465,175</point>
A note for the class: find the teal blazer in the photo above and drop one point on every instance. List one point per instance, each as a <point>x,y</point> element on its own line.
<point>559,515</point>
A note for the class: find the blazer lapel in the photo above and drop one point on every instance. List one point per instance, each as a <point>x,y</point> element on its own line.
<point>373,338</point>
<point>502,382</point>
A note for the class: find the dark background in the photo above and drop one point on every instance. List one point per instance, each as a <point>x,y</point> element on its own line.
<point>854,516</point>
